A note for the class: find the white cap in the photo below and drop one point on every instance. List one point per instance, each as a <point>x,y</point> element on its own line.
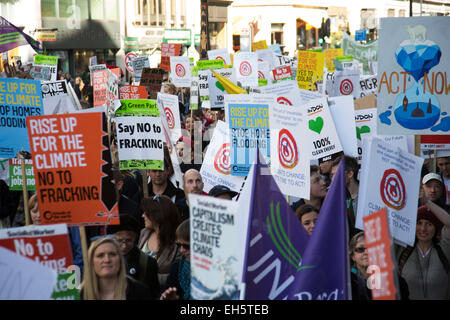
<point>431,176</point>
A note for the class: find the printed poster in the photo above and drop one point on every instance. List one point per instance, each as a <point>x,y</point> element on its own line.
<point>310,70</point>
<point>139,63</point>
<point>364,53</point>
<point>99,85</point>
<point>57,98</point>
<point>19,98</point>
<point>329,55</point>
<point>290,157</point>
<point>180,71</point>
<point>390,177</point>
<point>15,175</point>
<point>129,92</point>
<point>216,90</point>
<point>50,62</point>
<point>168,50</point>
<point>214,248</point>
<point>216,166</point>
<point>169,103</point>
<point>152,79</point>
<point>219,54</point>
<point>72,167</point>
<point>412,67</point>
<point>286,92</point>
<point>246,67</point>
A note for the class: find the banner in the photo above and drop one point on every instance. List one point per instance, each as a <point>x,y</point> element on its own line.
<point>72,166</point>
<point>15,175</point>
<point>138,64</point>
<point>246,68</point>
<point>219,54</point>
<point>140,143</point>
<point>216,90</point>
<point>248,120</point>
<point>322,131</point>
<point>328,274</point>
<point>19,98</point>
<point>364,53</point>
<point>169,103</point>
<point>390,177</point>
<point>275,240</point>
<point>12,37</point>
<point>381,256</point>
<point>413,94</point>
<point>214,248</point>
<point>50,62</point>
<point>48,246</point>
<point>310,70</point>
<point>216,166</point>
<point>129,92</point>
<point>289,159</point>
<point>57,98</point>
<point>180,71</point>
<point>168,50</point>
<point>99,85</point>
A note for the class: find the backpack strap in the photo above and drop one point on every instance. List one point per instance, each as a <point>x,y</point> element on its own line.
<point>443,258</point>
<point>404,255</point>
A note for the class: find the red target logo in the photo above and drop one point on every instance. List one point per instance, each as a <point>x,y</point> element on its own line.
<point>170,118</point>
<point>222,161</point>
<point>220,58</point>
<point>180,71</point>
<point>392,189</point>
<point>285,101</point>
<point>346,87</point>
<point>245,69</point>
<point>287,150</point>
<point>261,75</point>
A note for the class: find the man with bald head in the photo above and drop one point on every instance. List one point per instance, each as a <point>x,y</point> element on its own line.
<point>192,183</point>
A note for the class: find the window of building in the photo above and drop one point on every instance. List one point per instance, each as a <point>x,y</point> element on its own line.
<point>97,7</point>
<point>276,33</point>
<point>391,12</point>
<point>402,13</point>
<point>63,9</point>
<point>48,8</point>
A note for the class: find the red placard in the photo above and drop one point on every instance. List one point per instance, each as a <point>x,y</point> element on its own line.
<point>282,73</point>
<point>99,78</point>
<point>168,50</point>
<point>378,243</point>
<point>128,92</point>
<point>72,166</point>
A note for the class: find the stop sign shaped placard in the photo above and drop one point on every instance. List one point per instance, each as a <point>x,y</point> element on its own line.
<point>128,61</point>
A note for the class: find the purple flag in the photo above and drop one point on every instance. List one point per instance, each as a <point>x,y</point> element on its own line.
<point>275,242</point>
<point>12,37</point>
<point>327,250</point>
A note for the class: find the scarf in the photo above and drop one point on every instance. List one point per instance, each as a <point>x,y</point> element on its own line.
<point>184,277</point>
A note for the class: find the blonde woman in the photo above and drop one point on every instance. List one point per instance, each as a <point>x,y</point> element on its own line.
<point>105,277</point>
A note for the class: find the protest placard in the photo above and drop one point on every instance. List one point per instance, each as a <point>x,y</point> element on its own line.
<point>246,68</point>
<point>286,92</point>
<point>381,256</point>
<point>343,114</point>
<point>72,166</point>
<point>56,97</point>
<point>129,92</point>
<point>93,61</point>
<point>19,98</point>
<point>15,175</point>
<point>412,87</point>
<point>142,107</point>
<point>4,170</point>
<point>267,55</point>
<point>203,72</point>
<point>310,70</point>
<point>152,79</point>
<point>216,166</point>
<point>248,119</point>
<point>51,62</point>
<point>216,89</point>
<point>99,85</point>
<point>219,54</point>
<point>282,73</point>
<point>264,76</point>
<point>168,50</point>
<point>390,177</point>
<point>41,73</point>
<point>368,85</point>
<point>23,279</point>
<point>194,93</point>
<point>112,89</point>
<point>364,53</point>
<point>435,142</point>
<point>214,248</point>
<point>180,71</point>
<point>49,246</point>
<point>169,104</point>
<point>329,55</point>
<point>322,131</point>
<point>139,63</point>
<point>344,82</point>
<point>290,156</point>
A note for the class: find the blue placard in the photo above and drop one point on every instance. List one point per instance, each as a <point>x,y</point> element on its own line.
<point>360,35</point>
<point>249,127</point>
<point>19,98</point>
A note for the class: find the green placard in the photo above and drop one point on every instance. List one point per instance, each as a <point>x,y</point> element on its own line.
<point>40,59</point>
<point>15,175</point>
<point>131,44</point>
<point>63,290</point>
<point>141,164</point>
<point>262,82</point>
<point>138,107</point>
<point>210,64</point>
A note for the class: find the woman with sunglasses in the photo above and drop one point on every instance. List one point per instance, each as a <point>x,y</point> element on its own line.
<point>178,285</point>
<point>359,263</point>
<point>157,239</point>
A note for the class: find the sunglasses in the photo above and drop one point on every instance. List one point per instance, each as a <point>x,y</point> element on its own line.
<point>360,249</point>
<point>185,246</point>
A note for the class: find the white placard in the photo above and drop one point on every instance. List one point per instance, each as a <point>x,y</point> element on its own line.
<point>138,64</point>
<point>343,113</point>
<point>286,92</point>
<point>169,103</point>
<point>216,94</point>
<point>56,98</point>
<point>220,54</point>
<point>180,71</point>
<point>246,67</point>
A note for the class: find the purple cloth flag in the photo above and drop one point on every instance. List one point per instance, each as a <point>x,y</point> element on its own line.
<point>327,250</point>
<point>275,242</point>
<point>12,37</point>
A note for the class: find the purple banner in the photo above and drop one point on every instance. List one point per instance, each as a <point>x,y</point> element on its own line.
<point>12,37</point>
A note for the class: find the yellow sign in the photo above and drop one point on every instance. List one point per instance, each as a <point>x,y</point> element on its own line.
<point>310,69</point>
<point>330,54</point>
<point>259,45</point>
<point>46,36</point>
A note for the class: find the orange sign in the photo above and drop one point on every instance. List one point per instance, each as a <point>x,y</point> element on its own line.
<point>128,92</point>
<point>378,244</point>
<point>72,166</point>
<point>168,50</point>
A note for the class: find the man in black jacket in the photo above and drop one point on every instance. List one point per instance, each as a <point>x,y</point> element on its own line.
<point>139,266</point>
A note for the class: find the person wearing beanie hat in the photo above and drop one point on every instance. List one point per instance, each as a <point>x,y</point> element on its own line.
<point>222,192</point>
<point>139,266</point>
<point>425,267</point>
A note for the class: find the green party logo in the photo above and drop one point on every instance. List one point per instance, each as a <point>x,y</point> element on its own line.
<point>316,125</point>
<point>281,240</point>
<point>363,129</point>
